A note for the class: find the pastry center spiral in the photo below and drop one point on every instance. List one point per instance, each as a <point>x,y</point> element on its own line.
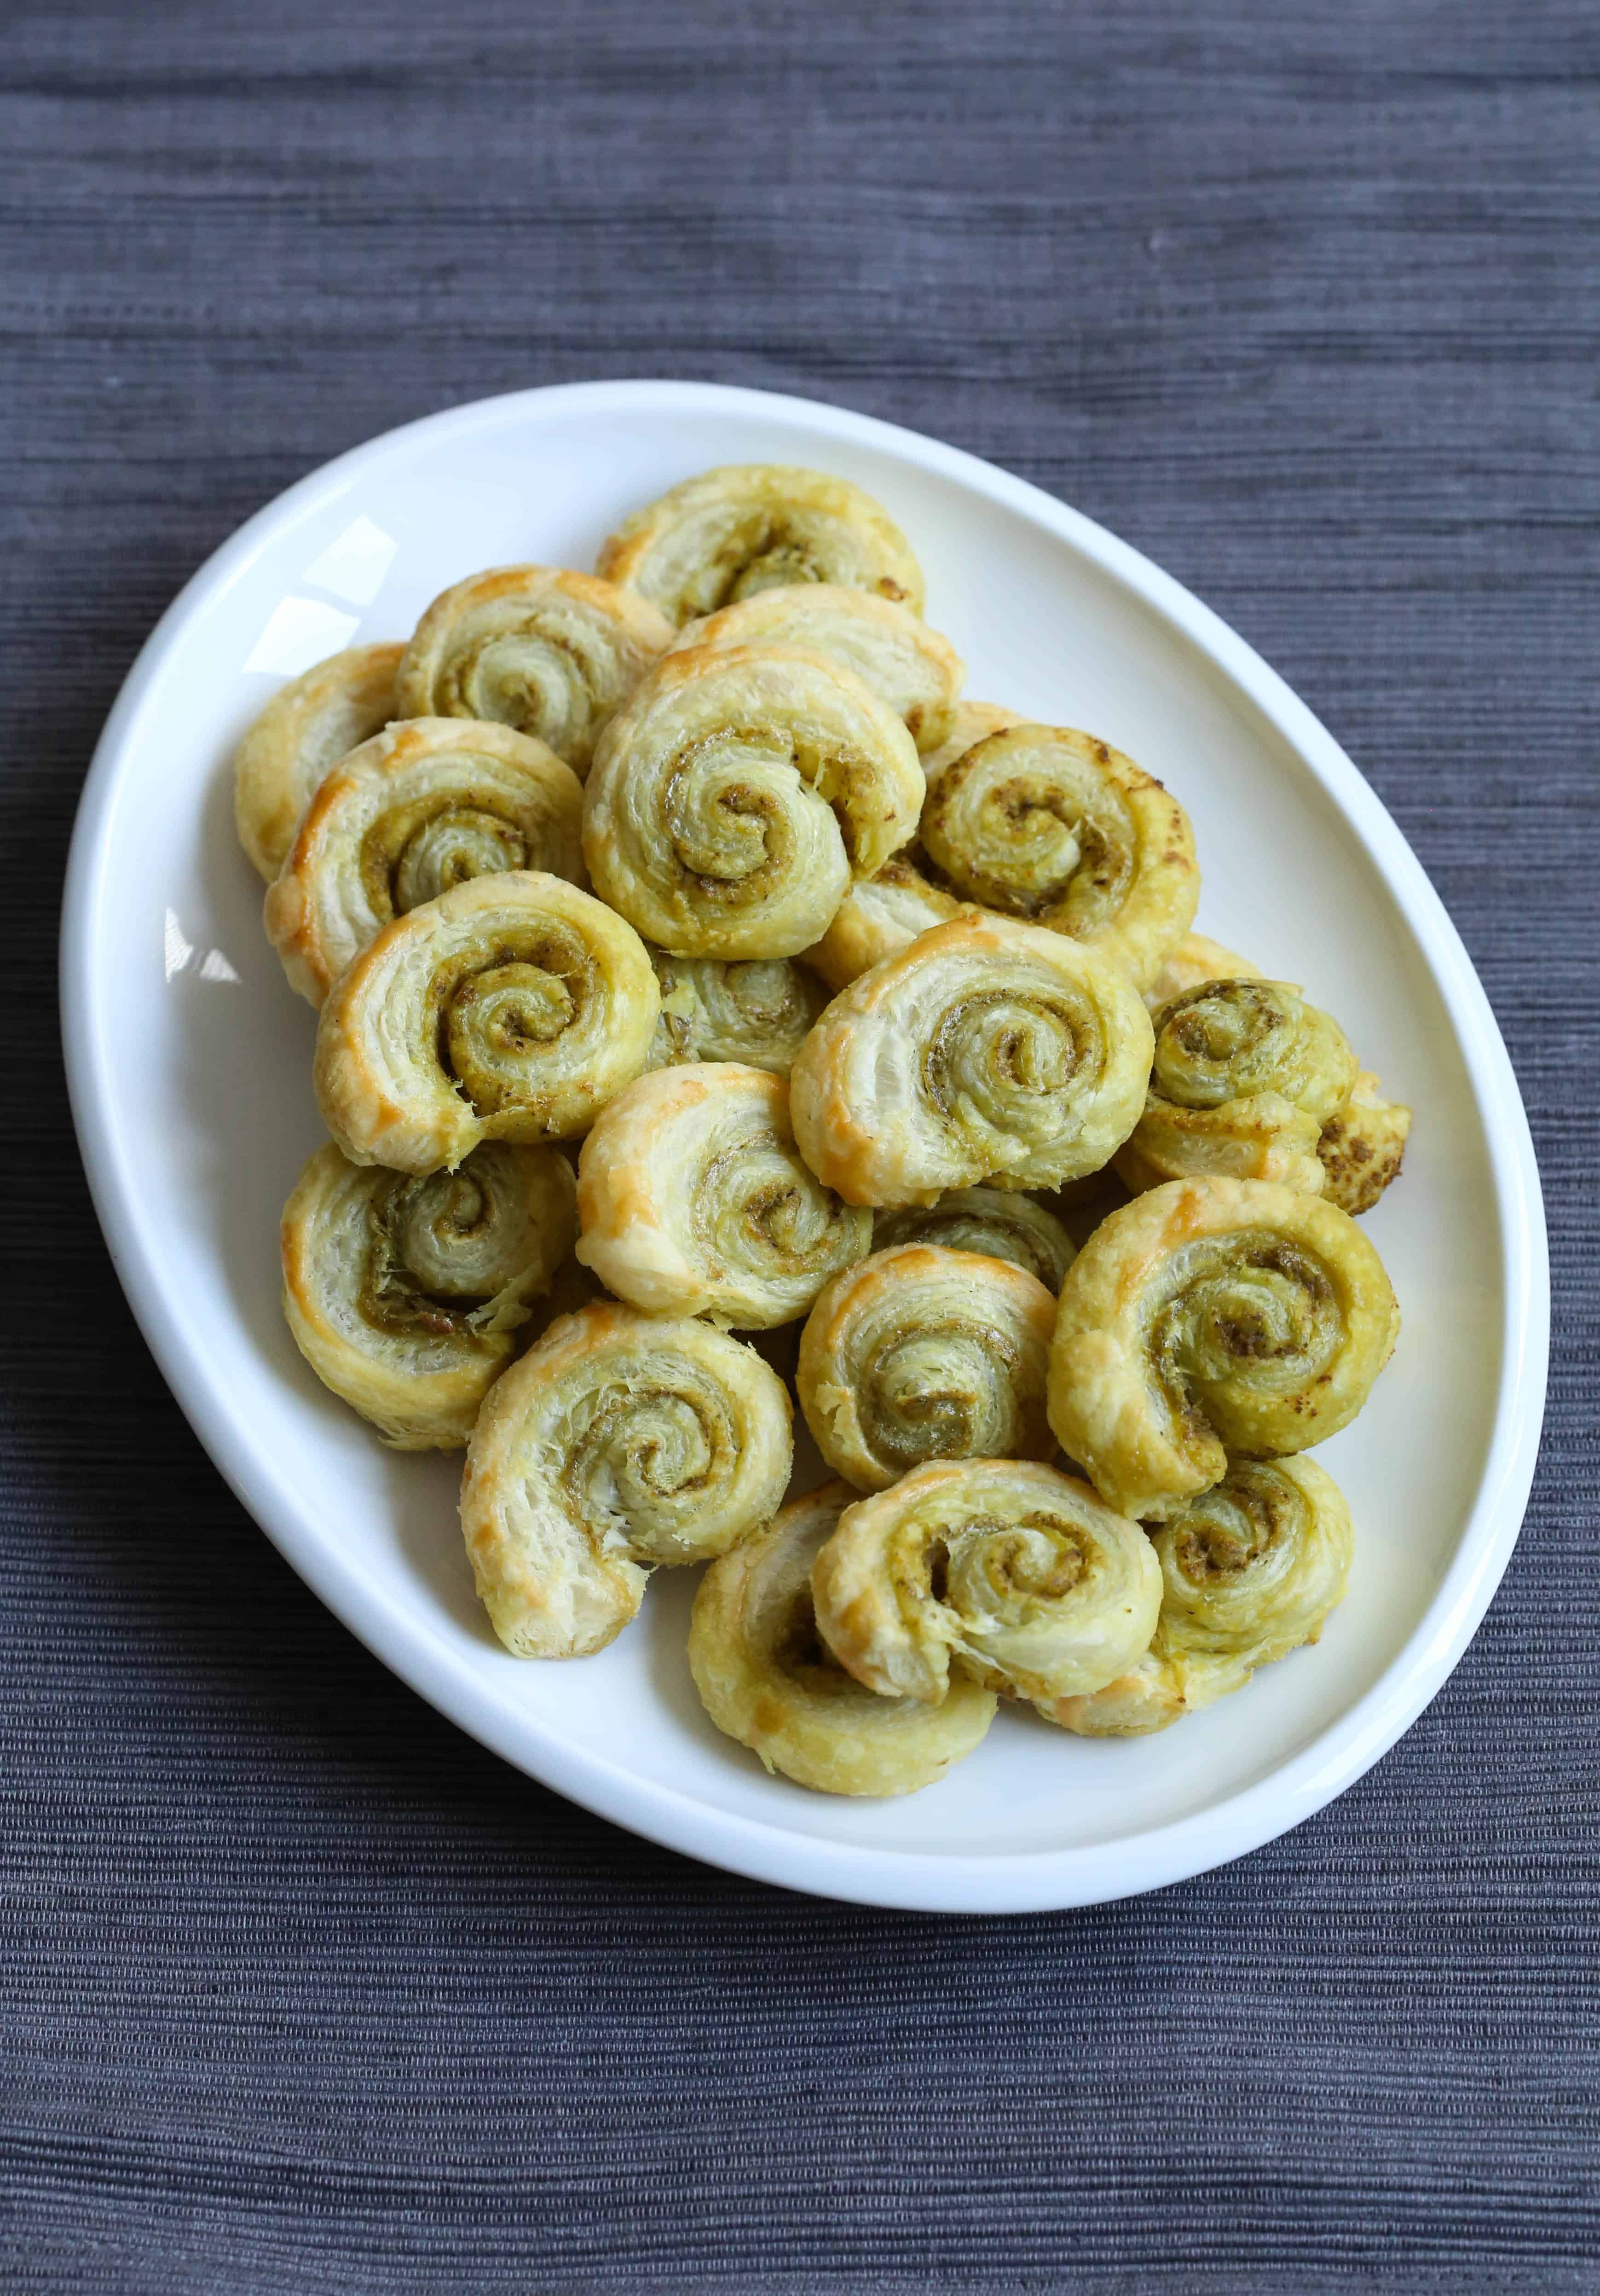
<point>724,828</point>
<point>998,1574</point>
<point>1224,1039</point>
<point>1024,822</point>
<point>439,1245</point>
<point>1259,1306</point>
<point>528,678</point>
<point>644,1452</point>
<point>1006,1056</point>
<point>462,842</point>
<point>948,1389</point>
<point>498,1023</point>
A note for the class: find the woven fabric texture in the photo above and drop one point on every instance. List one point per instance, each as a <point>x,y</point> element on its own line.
<point>299,1989</point>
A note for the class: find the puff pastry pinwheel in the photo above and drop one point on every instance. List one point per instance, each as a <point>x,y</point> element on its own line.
<point>988,1050</point>
<point>1209,1319</point>
<point>1362,1144</point>
<point>889,648</point>
<point>759,1012</point>
<point>759,526</point>
<point>304,730</point>
<point>510,1008</point>
<point>1008,1573</point>
<point>733,796</point>
<point>1251,1571</point>
<point>1196,959</point>
<point>1045,823</point>
<point>921,1353</point>
<point>694,1200</point>
<point>996,1221</point>
<point>1246,1074</point>
<point>618,1442</point>
<point>766,1677</point>
<point>420,808</point>
<point>545,650</point>
<point>404,1294</point>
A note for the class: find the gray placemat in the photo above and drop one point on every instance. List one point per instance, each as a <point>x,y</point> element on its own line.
<point>300,1990</point>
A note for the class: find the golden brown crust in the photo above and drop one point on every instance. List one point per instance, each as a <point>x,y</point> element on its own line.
<point>1195,960</point>
<point>405,1295</point>
<point>986,1050</point>
<point>421,807</point>
<point>510,1008</point>
<point>997,1221</point>
<point>303,732</point>
<point>619,1443</point>
<point>545,650</point>
<point>878,917</point>
<point>1361,1145</point>
<point>695,1201</point>
<point>1010,1573</point>
<point>1212,1319</point>
<point>733,798</point>
<point>749,527</point>
<point>766,1677</point>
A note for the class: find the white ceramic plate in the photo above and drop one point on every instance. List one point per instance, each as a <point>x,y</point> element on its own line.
<point>189,1066</point>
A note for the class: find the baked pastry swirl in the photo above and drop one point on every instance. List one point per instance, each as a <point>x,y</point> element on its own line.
<point>1246,1074</point>
<point>694,1202</point>
<point>420,808</point>
<point>759,526</point>
<point>304,730</point>
<point>404,1294</point>
<point>996,1221</point>
<point>766,1677</point>
<point>1250,1572</point>
<point>988,1050</point>
<point>759,1012</point>
<point>920,1353</point>
<point>888,646</point>
<point>1361,1145</point>
<point>510,1008</point>
<point>1209,1319</point>
<point>733,796</point>
<point>538,648</point>
<point>619,1442</point>
<point>1011,1574</point>
<point>1045,823</point>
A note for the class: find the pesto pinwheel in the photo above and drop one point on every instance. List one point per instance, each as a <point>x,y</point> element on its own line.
<point>995,1221</point>
<point>695,1201</point>
<point>1212,1319</point>
<point>619,1443</point>
<point>303,731</point>
<point>403,1295</point>
<point>759,1012</point>
<point>538,648</point>
<point>986,1050</point>
<point>997,1570</point>
<point>735,796</point>
<point>888,647</point>
<point>510,1008</point>
<point>749,527</point>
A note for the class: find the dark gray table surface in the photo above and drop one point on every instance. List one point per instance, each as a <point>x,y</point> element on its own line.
<point>299,1989</point>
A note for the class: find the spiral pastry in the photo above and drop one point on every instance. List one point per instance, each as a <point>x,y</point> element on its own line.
<point>510,1008</point>
<point>1210,1319</point>
<point>987,1050</point>
<point>879,918</point>
<point>758,1013</point>
<point>759,526</point>
<point>1251,1571</point>
<point>766,1677</point>
<point>403,1294</point>
<point>1007,1573</point>
<point>1361,1145</point>
<point>888,647</point>
<point>1247,1074</point>
<point>420,808</point>
<point>694,1200</point>
<point>1195,960</point>
<point>732,799</point>
<point>997,1222</point>
<point>550,653</point>
<point>304,730</point>
<point>618,1442</point>
<point>1044,823</point>
<point>920,1353</point>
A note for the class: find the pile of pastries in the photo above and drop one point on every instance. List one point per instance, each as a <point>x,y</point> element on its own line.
<point>716,1013</point>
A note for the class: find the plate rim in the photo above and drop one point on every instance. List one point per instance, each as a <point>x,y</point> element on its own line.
<point>954,1882</point>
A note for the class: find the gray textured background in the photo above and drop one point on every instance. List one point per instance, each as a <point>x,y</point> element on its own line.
<point>301,1990</point>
